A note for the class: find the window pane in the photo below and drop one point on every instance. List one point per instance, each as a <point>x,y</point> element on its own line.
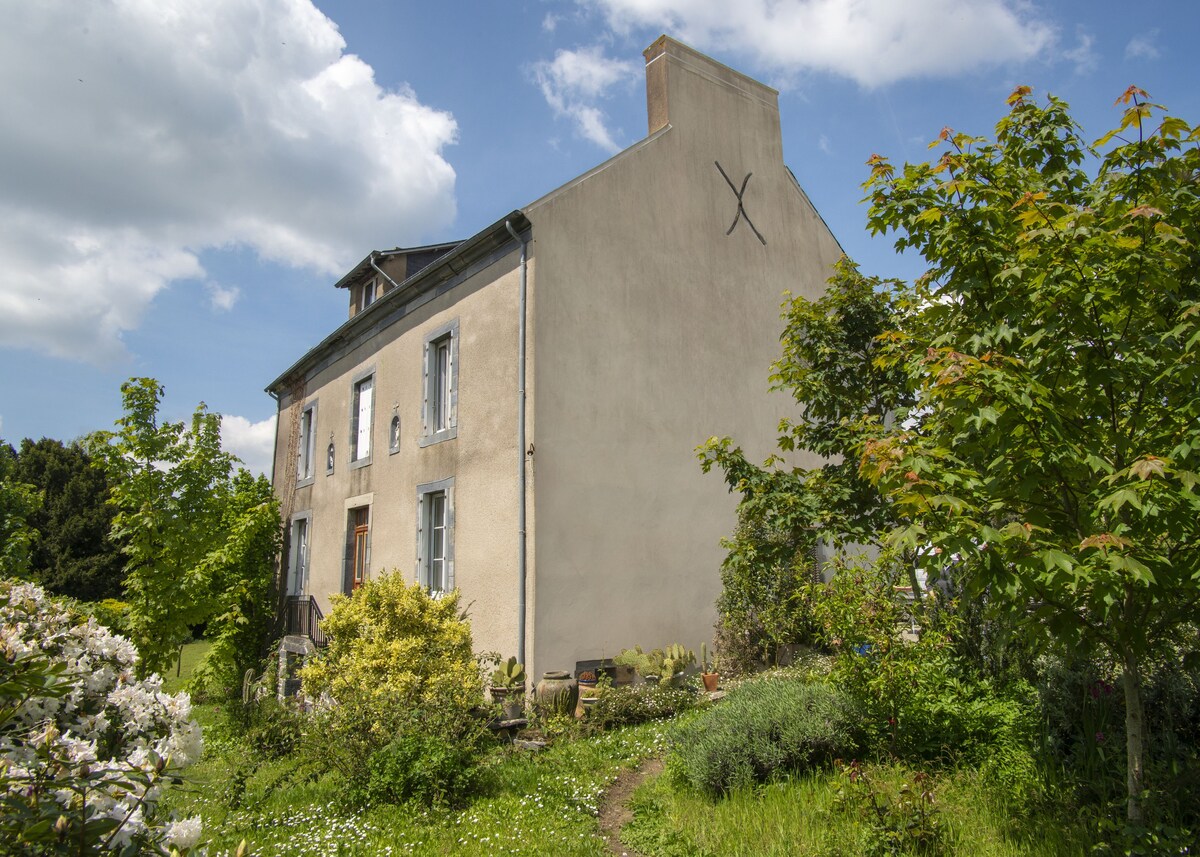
<point>442,386</point>
<point>364,392</point>
<point>434,565</point>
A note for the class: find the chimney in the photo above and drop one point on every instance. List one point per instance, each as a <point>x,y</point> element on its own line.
<point>669,64</point>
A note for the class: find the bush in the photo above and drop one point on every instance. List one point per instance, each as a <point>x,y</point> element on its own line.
<point>271,727</point>
<point>638,703</point>
<point>762,729</point>
<point>1083,707</point>
<point>421,764</point>
<point>917,698</point>
<point>85,748</point>
<point>764,603</point>
<point>399,668</point>
<point>110,613</point>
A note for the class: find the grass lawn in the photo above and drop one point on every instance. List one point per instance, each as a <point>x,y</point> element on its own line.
<point>535,804</point>
<point>181,670</point>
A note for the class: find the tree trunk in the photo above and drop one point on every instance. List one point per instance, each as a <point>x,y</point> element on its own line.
<point>1135,735</point>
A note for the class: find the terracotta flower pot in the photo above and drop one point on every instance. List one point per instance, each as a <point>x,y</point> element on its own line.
<point>710,681</point>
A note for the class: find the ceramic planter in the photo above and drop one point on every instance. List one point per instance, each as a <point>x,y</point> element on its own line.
<point>511,701</point>
<point>557,693</point>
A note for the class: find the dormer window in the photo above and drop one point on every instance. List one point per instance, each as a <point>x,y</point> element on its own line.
<point>366,296</point>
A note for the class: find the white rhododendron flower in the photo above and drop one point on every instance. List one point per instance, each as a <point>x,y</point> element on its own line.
<point>98,726</point>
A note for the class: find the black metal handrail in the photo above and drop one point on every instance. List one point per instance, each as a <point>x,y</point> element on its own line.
<point>304,618</point>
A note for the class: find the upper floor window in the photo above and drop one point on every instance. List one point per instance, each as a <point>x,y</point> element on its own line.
<point>306,465</point>
<point>440,418</point>
<point>362,408</point>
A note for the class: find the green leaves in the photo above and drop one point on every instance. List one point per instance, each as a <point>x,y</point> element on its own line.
<point>200,541</point>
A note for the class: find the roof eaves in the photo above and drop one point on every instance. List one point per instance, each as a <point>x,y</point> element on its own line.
<point>449,265</point>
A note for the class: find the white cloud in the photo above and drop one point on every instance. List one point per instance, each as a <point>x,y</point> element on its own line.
<point>1143,47</point>
<point>550,22</point>
<point>149,130</point>
<point>823,144</point>
<point>574,81</point>
<point>221,298</point>
<point>1082,54</point>
<point>253,443</point>
<point>873,42</point>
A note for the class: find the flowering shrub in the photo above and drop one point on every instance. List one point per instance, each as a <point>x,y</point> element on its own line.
<point>85,747</point>
<point>637,703</point>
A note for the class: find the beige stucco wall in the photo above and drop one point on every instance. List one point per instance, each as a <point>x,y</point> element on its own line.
<point>482,459</point>
<point>656,330</point>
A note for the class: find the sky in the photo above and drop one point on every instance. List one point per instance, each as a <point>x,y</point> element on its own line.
<point>184,181</point>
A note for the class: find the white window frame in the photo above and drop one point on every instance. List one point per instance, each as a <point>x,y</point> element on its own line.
<point>427,497</point>
<point>359,457</point>
<point>306,459</point>
<point>300,553</point>
<point>367,295</point>
<point>440,387</point>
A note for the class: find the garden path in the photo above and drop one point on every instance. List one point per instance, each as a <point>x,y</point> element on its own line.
<point>614,805</point>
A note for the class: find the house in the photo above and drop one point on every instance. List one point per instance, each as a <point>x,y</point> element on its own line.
<point>515,415</point>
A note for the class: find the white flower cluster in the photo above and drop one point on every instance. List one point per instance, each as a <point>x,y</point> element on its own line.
<point>96,740</point>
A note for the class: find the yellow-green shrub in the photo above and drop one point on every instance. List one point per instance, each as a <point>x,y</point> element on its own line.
<point>398,662</point>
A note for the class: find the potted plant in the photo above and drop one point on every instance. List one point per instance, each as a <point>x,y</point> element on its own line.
<point>646,666</point>
<point>707,675</point>
<point>676,659</point>
<point>657,665</point>
<point>508,688</point>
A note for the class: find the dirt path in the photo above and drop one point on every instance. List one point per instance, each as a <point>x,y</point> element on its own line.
<point>614,805</point>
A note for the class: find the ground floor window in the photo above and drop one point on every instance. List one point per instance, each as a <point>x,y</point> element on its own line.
<point>435,535</point>
<point>298,556</point>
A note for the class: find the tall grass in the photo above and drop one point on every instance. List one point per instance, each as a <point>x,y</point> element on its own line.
<point>806,815</point>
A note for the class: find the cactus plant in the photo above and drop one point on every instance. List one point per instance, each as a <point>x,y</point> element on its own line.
<point>510,673</point>
<point>676,659</point>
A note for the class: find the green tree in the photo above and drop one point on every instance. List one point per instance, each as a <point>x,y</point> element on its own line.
<point>18,502</point>
<point>200,543</point>
<point>1053,344</point>
<point>242,569</point>
<point>73,554</point>
<point>830,365</point>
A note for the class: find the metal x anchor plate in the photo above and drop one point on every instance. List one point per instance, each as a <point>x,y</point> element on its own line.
<point>741,207</point>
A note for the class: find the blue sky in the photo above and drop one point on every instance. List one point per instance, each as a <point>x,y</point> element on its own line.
<point>185,181</point>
